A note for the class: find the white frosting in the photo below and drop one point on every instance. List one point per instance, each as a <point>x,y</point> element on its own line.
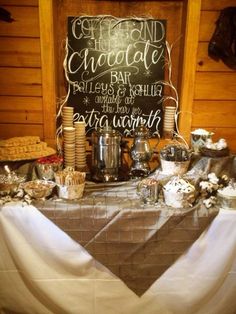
<point>179,185</point>
<point>179,193</point>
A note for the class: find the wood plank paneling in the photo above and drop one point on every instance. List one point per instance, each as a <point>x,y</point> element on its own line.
<point>205,63</point>
<point>214,114</point>
<point>17,109</point>
<point>21,117</point>
<point>20,81</point>
<point>20,71</point>
<point>46,17</point>
<point>20,130</point>
<point>189,67</point>
<point>12,103</point>
<point>26,22</point>
<point>217,5</point>
<point>20,52</point>
<point>19,2</point>
<point>214,106</point>
<point>213,86</point>
<point>207,25</point>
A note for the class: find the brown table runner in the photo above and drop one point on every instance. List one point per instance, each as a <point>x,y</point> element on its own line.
<point>142,267</point>
<point>136,242</point>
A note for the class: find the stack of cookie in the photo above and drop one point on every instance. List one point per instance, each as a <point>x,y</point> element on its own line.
<point>24,148</point>
<point>80,146</point>
<point>69,146</point>
<point>67,116</point>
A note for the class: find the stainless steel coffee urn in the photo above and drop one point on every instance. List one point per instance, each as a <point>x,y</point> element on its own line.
<point>106,154</point>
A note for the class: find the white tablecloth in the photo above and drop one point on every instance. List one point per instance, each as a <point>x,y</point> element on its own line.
<point>42,270</point>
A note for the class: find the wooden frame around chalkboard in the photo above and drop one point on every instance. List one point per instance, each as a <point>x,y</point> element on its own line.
<point>192,10</point>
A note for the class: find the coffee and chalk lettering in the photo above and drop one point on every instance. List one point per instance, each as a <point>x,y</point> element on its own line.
<point>112,67</point>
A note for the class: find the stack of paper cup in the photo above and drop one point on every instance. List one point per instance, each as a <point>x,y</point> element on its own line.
<point>169,119</point>
<point>80,145</point>
<point>69,146</point>
<point>67,116</point>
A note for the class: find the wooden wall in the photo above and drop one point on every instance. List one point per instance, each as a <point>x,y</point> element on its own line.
<point>21,110</point>
<point>27,107</point>
<point>214,105</point>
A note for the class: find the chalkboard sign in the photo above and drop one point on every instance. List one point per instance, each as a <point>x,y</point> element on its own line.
<point>114,67</point>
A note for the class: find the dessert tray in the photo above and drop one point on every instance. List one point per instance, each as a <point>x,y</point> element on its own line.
<point>24,148</point>
<point>30,158</point>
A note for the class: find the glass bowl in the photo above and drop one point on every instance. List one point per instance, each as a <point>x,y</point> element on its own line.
<point>47,166</point>
<point>148,190</point>
<point>38,189</point>
<point>10,183</point>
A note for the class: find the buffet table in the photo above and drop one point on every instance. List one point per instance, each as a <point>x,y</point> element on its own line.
<point>111,253</point>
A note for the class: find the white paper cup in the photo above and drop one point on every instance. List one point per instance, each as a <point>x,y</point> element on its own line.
<point>69,130</point>
<point>178,200</point>
<point>174,167</point>
<point>70,192</point>
<point>67,124</point>
<point>199,140</point>
<point>67,109</point>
